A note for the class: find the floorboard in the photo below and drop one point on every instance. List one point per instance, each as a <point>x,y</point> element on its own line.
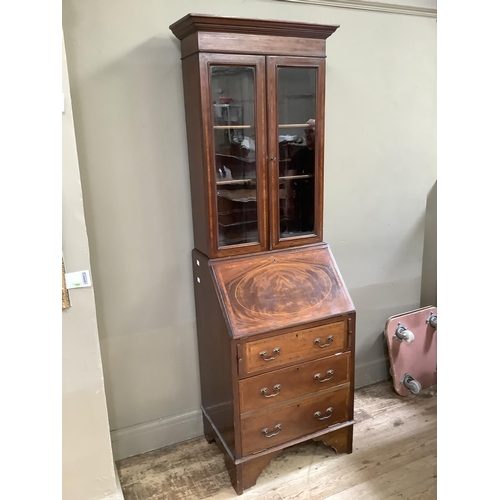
<point>394,458</point>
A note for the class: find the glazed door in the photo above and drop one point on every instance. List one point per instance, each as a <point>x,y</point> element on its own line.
<point>295,144</point>
<point>235,124</point>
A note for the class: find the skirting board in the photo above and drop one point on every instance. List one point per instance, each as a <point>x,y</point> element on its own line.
<point>156,434</point>
<point>149,436</point>
<point>371,372</point>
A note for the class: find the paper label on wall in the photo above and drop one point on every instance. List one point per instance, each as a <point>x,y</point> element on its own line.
<point>78,279</point>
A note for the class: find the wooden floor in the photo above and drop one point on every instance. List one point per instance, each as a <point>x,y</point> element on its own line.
<point>394,457</point>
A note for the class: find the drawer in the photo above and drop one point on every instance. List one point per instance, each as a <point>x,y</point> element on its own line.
<point>284,423</point>
<point>302,345</point>
<point>276,387</point>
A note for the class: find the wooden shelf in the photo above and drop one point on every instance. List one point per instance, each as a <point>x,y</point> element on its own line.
<point>287,125</point>
<point>226,127</point>
<point>293,125</point>
<point>288,177</point>
<point>235,181</point>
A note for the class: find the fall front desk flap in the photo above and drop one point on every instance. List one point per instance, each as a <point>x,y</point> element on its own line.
<point>275,290</point>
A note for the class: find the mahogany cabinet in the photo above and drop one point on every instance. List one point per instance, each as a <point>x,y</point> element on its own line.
<point>275,322</point>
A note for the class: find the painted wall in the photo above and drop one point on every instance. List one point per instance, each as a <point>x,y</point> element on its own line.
<point>428,293</point>
<point>88,471</point>
<point>380,164</point>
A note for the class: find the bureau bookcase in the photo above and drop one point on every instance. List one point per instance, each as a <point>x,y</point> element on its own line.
<point>275,322</point>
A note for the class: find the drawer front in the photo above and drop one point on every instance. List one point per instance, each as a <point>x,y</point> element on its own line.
<point>298,346</point>
<point>288,422</point>
<point>276,387</point>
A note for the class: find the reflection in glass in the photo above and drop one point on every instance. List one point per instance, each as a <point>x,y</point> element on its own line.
<point>297,142</point>
<point>233,100</point>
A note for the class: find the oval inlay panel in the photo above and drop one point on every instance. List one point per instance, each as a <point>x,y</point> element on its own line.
<point>283,288</point>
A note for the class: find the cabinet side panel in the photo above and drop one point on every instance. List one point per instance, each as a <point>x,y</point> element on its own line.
<point>351,331</point>
<point>214,350</point>
<point>197,166</point>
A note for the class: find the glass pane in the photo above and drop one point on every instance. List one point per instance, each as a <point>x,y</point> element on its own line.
<point>296,130</point>
<point>233,99</point>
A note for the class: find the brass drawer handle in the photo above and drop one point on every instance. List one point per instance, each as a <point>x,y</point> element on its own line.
<point>276,388</point>
<point>266,430</point>
<point>276,351</point>
<point>329,340</point>
<point>329,376</point>
<point>328,410</point>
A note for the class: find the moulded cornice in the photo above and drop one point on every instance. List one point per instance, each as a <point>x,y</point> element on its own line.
<point>193,23</point>
<point>393,8</point>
